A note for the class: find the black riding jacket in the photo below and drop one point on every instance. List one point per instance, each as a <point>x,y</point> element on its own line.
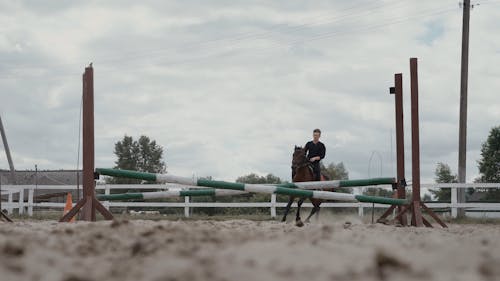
<point>313,150</point>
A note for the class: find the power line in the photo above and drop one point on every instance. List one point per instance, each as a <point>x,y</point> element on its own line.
<point>368,9</point>
<point>229,49</point>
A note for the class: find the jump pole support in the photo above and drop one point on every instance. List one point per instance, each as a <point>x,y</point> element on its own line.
<point>416,205</point>
<point>89,203</point>
<point>400,185</point>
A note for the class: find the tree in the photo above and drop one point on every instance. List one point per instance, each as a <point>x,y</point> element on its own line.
<point>443,174</point>
<point>377,191</point>
<point>256,179</point>
<point>247,197</point>
<point>489,165</point>
<point>336,172</point>
<point>143,155</point>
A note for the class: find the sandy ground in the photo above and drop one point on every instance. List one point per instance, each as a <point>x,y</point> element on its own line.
<point>245,250</point>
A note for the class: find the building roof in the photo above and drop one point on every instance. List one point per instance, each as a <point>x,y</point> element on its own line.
<point>41,177</point>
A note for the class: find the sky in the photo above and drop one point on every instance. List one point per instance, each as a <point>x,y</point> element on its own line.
<point>228,88</point>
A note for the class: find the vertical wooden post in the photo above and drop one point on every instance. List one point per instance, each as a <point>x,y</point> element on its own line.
<point>88,143</point>
<point>400,143</point>
<point>416,205</point>
<point>415,146</point>
<point>400,193</point>
<point>88,204</point>
<point>462,128</point>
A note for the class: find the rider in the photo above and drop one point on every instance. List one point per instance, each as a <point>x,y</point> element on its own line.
<point>315,151</point>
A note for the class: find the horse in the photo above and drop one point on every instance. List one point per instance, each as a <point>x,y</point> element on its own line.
<point>302,171</point>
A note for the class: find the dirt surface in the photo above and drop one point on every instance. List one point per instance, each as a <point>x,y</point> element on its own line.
<point>245,250</point>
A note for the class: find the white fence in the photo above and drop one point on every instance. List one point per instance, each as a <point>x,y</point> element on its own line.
<point>21,205</point>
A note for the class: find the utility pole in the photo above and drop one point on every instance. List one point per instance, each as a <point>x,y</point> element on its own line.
<point>7,152</point>
<point>462,131</point>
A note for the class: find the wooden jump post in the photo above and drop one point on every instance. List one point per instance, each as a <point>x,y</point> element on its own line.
<point>88,204</point>
<point>416,205</point>
<point>400,184</point>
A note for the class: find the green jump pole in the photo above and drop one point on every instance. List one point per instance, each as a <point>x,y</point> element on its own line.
<point>169,194</point>
<point>257,188</point>
<point>189,181</point>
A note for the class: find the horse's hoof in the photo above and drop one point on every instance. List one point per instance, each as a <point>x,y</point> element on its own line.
<point>307,221</point>
<point>299,223</point>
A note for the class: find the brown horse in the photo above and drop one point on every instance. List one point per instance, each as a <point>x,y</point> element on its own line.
<point>302,171</point>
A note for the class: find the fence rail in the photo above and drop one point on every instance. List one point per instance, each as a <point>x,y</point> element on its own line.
<point>27,204</point>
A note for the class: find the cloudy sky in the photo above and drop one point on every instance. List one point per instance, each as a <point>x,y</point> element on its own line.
<point>229,87</point>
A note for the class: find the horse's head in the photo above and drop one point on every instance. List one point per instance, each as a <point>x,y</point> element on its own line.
<point>299,158</point>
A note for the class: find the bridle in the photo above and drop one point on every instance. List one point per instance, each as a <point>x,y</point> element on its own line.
<point>305,163</point>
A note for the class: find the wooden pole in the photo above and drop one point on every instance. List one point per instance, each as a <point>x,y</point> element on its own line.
<point>462,134</point>
<point>7,152</point>
<point>400,143</point>
<point>88,204</point>
<point>88,213</point>
<point>415,145</point>
<point>400,184</point>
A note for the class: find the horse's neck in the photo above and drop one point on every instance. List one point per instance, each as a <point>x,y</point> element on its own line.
<point>303,174</point>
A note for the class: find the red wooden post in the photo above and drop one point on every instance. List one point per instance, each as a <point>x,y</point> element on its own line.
<point>400,143</point>
<point>415,146</point>
<point>88,204</point>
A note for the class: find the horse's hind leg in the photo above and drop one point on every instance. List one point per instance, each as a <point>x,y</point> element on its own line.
<point>314,210</point>
<point>287,209</point>
<point>298,221</point>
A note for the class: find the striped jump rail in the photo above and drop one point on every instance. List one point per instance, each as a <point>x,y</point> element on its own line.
<point>293,189</point>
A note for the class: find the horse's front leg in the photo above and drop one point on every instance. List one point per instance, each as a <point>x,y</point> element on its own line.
<point>298,221</point>
<point>287,209</point>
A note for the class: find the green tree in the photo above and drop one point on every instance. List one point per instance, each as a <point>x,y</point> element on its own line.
<point>377,191</point>
<point>336,172</point>
<point>143,155</point>
<point>251,178</point>
<point>256,179</point>
<point>489,165</point>
<point>443,174</point>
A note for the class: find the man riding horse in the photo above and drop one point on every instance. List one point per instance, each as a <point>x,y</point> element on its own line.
<point>306,167</point>
<point>315,151</point>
